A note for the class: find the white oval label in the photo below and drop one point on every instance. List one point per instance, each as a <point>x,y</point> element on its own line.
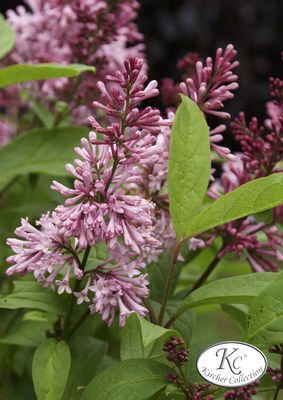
<point>231,364</point>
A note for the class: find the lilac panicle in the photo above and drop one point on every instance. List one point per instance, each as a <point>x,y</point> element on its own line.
<point>213,82</point>
<point>44,253</point>
<point>241,236</point>
<point>262,149</point>
<point>98,207</point>
<point>209,87</point>
<point>99,33</point>
<point>101,207</point>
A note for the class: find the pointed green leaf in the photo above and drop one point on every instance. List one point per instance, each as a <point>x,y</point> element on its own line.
<point>33,295</point>
<point>86,355</point>
<point>20,73</point>
<point>250,198</point>
<point>50,368</point>
<point>137,379</point>
<point>265,316</point>
<point>7,37</point>
<point>41,151</point>
<point>189,164</point>
<point>239,289</point>
<point>45,116</point>
<point>98,254</point>
<point>158,273</point>
<point>142,339</point>
<point>27,333</point>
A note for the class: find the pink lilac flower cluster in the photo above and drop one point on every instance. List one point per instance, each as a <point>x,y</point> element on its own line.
<point>101,207</point>
<point>262,149</point>
<point>208,85</point>
<point>154,186</point>
<point>43,252</point>
<point>99,33</point>
<point>170,90</point>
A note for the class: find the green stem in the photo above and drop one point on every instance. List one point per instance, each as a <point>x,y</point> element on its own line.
<point>198,283</point>
<point>169,281</point>
<point>66,330</point>
<point>276,392</point>
<point>152,316</point>
<point>280,384</point>
<point>205,274</point>
<point>79,322</point>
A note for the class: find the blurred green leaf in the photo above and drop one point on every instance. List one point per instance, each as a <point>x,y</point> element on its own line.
<point>98,255</point>
<point>50,369</point>
<point>158,272</point>
<point>265,316</point>
<point>239,289</point>
<point>137,379</point>
<point>33,295</point>
<point>7,37</point>
<point>86,355</point>
<point>45,116</point>
<point>19,73</point>
<point>237,312</point>
<point>42,151</point>
<point>27,333</point>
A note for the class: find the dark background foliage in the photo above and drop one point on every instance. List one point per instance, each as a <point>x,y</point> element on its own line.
<point>174,27</point>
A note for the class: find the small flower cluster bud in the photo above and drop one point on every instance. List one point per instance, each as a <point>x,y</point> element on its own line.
<point>178,355</point>
<point>202,396</point>
<point>243,393</point>
<point>275,373</point>
<point>201,393</point>
<point>173,378</point>
<point>277,349</point>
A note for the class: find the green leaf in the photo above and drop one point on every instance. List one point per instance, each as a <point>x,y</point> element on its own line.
<point>184,325</point>
<point>19,73</point>
<point>27,333</point>
<point>158,273</point>
<point>265,316</point>
<point>189,164</point>
<point>239,289</point>
<point>137,379</point>
<point>33,295</point>
<point>45,116</point>
<point>142,339</point>
<point>86,354</point>
<point>41,151</point>
<point>238,313</point>
<point>50,369</point>
<point>7,37</point>
<point>98,255</point>
<point>250,198</point>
